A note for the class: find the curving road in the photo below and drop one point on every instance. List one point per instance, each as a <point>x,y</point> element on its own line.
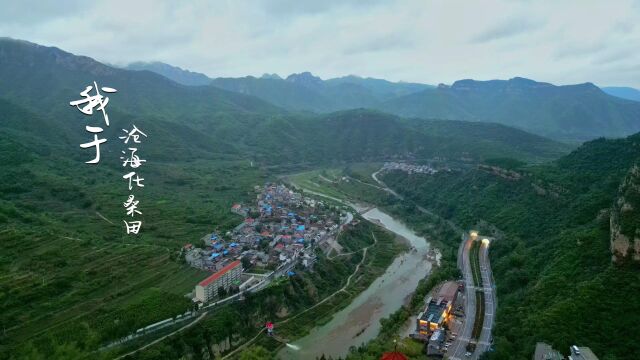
<point>458,349</point>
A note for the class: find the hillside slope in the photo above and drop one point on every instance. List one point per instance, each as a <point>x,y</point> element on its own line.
<point>47,78</point>
<point>553,262</point>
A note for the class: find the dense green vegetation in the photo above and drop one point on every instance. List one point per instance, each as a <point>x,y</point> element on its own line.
<point>553,266</point>
<point>70,276</point>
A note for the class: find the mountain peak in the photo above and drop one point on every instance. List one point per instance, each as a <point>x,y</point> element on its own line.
<point>35,55</point>
<point>305,78</point>
<point>273,76</point>
<point>513,83</point>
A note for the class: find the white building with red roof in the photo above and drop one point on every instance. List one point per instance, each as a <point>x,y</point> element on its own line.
<point>207,289</point>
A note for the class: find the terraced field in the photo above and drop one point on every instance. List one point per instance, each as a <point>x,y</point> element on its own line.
<point>96,286</point>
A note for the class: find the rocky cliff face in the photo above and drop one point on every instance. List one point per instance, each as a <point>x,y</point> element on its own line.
<point>625,219</point>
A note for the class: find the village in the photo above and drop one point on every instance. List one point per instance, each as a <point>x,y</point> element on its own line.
<point>281,229</point>
<point>409,168</point>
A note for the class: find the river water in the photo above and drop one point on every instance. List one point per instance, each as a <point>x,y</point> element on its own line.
<point>359,322</point>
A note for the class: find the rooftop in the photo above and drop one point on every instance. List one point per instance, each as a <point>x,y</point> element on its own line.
<point>218,274</point>
<point>448,291</point>
<point>434,311</point>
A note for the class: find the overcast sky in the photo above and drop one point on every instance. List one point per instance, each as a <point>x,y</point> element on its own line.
<point>414,40</point>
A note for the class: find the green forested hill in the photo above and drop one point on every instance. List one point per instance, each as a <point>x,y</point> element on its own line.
<point>46,78</point>
<point>553,267</point>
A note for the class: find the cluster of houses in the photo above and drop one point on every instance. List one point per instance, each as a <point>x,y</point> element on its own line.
<point>409,168</point>
<point>282,226</point>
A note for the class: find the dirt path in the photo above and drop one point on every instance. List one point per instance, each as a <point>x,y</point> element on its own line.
<point>104,218</point>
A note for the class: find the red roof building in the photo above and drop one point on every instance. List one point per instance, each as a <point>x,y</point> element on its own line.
<point>393,356</point>
<point>208,288</point>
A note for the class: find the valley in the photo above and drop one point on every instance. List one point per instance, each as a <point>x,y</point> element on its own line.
<point>339,211</point>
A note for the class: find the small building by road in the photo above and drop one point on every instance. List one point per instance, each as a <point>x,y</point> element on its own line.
<point>438,309</point>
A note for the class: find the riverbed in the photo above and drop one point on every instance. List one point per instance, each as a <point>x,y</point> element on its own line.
<point>359,322</point>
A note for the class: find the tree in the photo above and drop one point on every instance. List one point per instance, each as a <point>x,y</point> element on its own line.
<point>222,292</point>
<point>246,262</point>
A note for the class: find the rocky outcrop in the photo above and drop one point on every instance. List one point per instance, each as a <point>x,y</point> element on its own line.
<point>625,219</point>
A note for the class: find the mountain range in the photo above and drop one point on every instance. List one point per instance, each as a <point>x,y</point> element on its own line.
<point>572,113</point>
<point>209,121</point>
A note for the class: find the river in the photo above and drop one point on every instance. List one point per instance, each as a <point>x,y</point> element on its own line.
<point>359,322</point>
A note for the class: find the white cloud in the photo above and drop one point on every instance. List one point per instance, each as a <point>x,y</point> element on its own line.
<point>411,40</point>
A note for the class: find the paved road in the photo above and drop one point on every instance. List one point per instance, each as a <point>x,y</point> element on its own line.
<point>458,348</point>
<point>489,300</point>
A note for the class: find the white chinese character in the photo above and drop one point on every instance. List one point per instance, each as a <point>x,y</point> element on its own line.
<point>132,205</point>
<point>134,133</point>
<point>96,142</point>
<point>138,179</point>
<point>134,160</point>
<point>98,100</point>
<point>132,227</point>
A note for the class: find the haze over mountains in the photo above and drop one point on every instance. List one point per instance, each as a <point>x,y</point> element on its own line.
<point>209,122</point>
<point>569,113</point>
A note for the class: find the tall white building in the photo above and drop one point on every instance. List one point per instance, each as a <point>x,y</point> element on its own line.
<point>207,289</point>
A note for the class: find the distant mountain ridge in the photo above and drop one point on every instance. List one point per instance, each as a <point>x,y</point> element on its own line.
<point>573,113</point>
<point>307,92</point>
<point>177,74</point>
<point>623,92</point>
<point>570,112</point>
<point>206,121</point>
<point>36,76</point>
